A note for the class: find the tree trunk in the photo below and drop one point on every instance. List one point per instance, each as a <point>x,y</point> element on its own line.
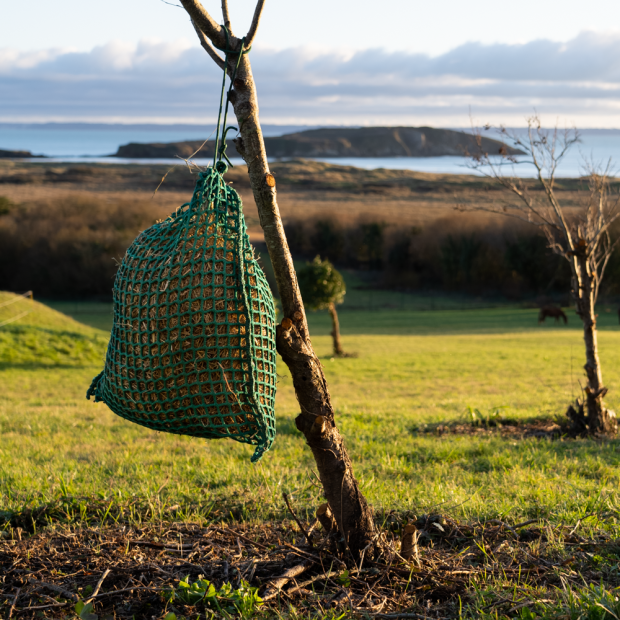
<point>599,419</point>
<point>316,420</point>
<point>338,352</point>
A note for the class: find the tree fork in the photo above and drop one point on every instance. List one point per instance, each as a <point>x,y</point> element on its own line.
<point>316,420</point>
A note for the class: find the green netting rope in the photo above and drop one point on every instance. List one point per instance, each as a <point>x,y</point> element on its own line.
<point>220,151</point>
<point>192,349</point>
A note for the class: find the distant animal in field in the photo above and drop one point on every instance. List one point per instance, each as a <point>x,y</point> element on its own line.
<point>553,313</point>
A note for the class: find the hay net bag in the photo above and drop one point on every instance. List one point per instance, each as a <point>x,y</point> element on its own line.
<point>192,348</point>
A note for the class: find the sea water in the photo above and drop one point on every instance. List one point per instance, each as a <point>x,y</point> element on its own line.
<point>82,142</point>
<point>85,140</point>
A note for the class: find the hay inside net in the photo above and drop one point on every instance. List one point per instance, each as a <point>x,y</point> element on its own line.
<point>192,349</point>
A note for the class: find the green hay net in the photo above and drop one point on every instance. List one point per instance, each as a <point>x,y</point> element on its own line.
<point>192,349</point>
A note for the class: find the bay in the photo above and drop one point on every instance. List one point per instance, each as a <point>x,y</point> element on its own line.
<point>84,143</point>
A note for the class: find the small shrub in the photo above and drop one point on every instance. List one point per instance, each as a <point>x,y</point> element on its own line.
<point>5,205</point>
<point>320,284</point>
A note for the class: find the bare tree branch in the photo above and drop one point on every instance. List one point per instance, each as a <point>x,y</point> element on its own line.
<point>205,22</point>
<point>518,188</point>
<point>219,61</point>
<point>249,38</point>
<point>226,16</point>
<point>504,211</point>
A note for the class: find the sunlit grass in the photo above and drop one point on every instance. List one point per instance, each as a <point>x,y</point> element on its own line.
<point>54,441</point>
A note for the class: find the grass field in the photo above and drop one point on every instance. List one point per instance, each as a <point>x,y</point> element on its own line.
<point>413,370</point>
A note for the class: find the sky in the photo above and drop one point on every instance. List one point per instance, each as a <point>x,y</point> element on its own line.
<point>351,62</point>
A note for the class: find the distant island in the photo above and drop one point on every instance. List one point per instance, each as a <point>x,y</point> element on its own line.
<point>337,142</point>
<point>4,154</point>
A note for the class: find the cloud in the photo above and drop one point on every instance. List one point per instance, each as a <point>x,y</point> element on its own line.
<point>575,81</point>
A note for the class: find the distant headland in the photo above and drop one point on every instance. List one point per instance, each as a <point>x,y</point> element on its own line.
<point>4,154</point>
<point>337,142</point>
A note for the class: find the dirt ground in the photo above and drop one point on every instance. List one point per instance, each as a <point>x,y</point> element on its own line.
<point>130,571</point>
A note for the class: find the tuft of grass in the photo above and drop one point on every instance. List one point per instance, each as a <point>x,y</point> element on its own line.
<point>569,602</point>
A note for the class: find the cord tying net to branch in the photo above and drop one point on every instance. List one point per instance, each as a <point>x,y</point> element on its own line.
<point>192,349</point>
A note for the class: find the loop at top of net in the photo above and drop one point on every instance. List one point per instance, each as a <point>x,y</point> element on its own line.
<point>192,349</point>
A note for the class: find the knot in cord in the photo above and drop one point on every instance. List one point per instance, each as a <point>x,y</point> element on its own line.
<point>227,49</point>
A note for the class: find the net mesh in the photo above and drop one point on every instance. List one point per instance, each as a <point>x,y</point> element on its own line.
<point>192,349</point>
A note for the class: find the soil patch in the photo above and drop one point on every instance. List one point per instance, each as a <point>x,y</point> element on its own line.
<point>511,429</point>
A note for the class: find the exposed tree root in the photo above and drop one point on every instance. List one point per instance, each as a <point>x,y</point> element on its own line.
<point>591,417</point>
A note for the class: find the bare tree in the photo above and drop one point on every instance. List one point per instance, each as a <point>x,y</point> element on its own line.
<point>581,236</point>
<point>316,420</point>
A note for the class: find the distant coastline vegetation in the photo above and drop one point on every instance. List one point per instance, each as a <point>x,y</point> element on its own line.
<point>69,246</point>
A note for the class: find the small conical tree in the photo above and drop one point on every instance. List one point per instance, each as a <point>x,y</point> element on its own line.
<point>323,287</point>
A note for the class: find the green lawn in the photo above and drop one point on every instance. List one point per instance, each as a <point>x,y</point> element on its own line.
<point>412,369</point>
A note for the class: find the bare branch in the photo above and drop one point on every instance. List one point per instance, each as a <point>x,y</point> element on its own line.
<point>205,22</point>
<point>517,187</point>
<point>603,228</point>
<point>249,38</point>
<point>548,187</point>
<point>219,61</point>
<point>498,211</point>
<point>342,491</point>
<point>583,240</point>
<point>226,16</point>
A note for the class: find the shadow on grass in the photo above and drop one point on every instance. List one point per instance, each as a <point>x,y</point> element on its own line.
<point>503,447</point>
<point>91,511</point>
<point>20,330</point>
<point>331,357</point>
<point>287,426</point>
<point>35,366</point>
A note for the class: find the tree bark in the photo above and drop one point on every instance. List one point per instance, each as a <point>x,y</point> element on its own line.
<point>338,352</point>
<point>600,420</point>
<point>316,420</point>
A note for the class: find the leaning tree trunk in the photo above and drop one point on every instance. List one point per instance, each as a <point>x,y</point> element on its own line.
<point>600,420</point>
<point>316,420</point>
<point>338,352</point>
